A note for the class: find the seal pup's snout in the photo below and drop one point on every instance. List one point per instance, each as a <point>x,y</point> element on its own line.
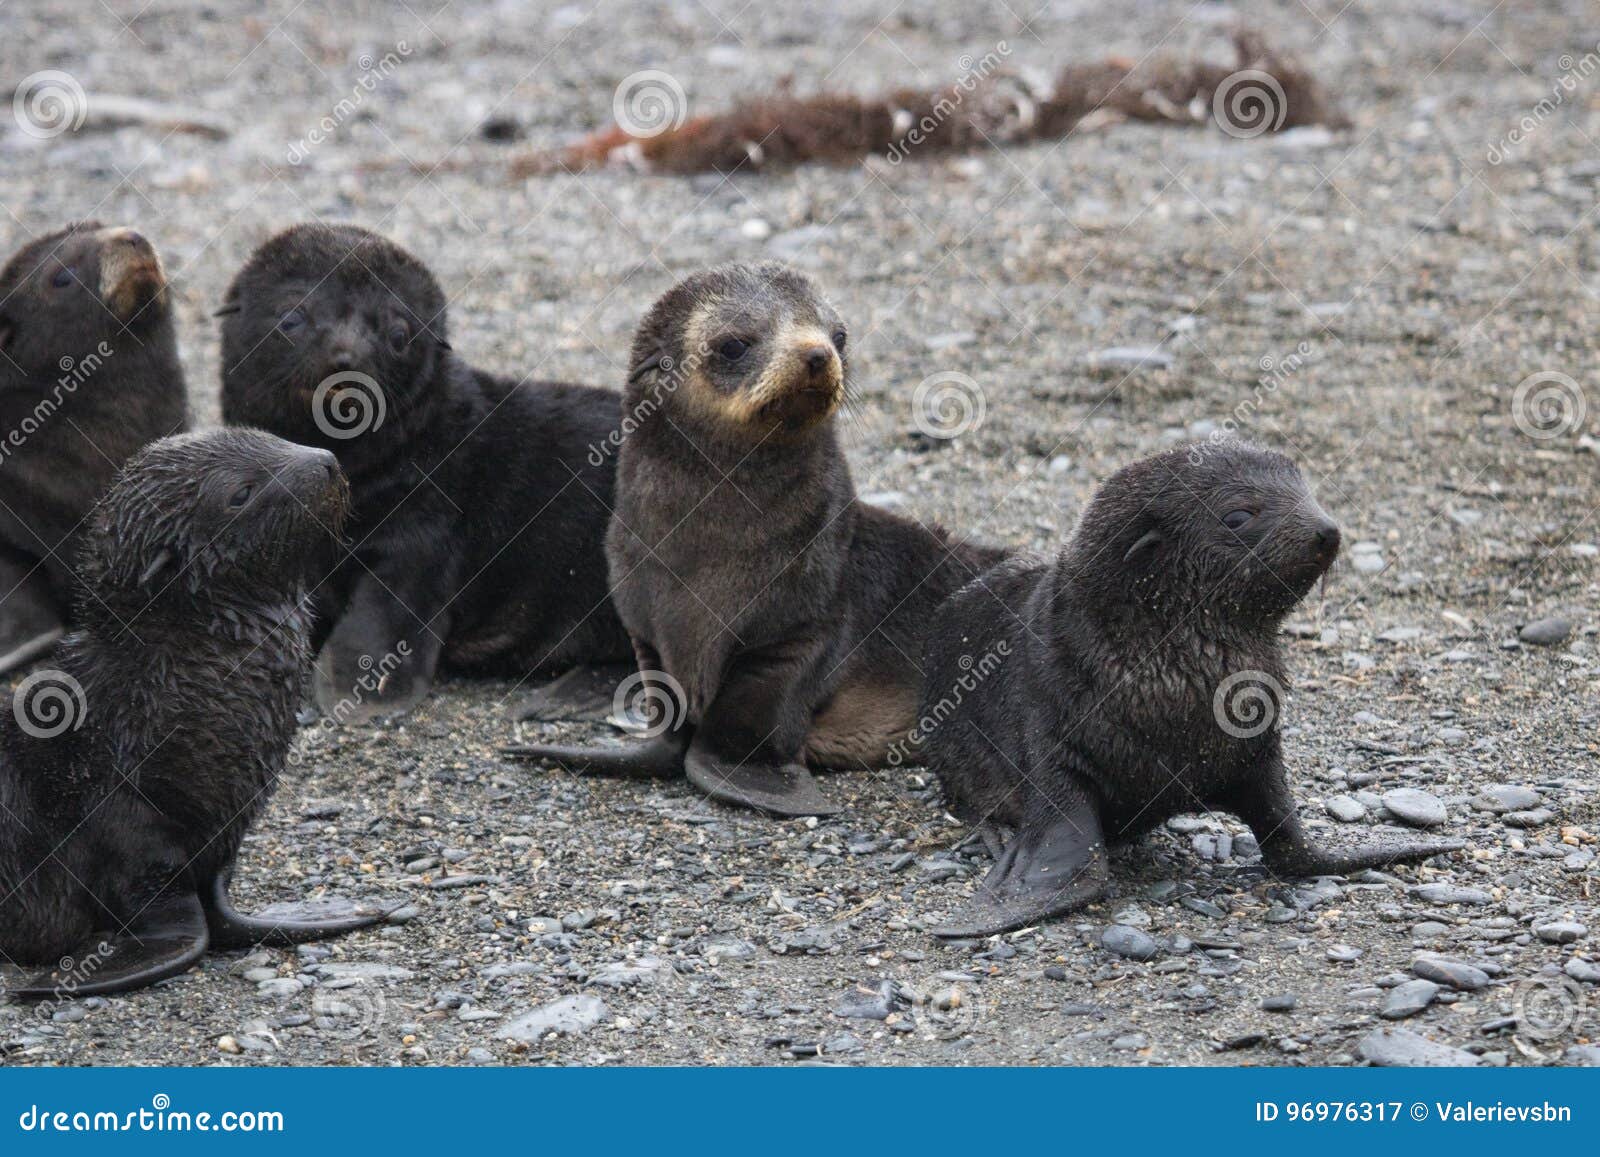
<point>804,384</point>
<point>131,274</point>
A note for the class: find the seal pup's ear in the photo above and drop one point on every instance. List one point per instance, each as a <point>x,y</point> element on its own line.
<point>1144,550</point>
<point>231,307</point>
<point>164,558</point>
<point>647,365</point>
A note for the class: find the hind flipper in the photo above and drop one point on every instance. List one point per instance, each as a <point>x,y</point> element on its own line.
<point>167,938</point>
<point>777,789</point>
<point>659,757</point>
<point>295,924</point>
<point>1056,862</point>
<point>1266,804</point>
<point>582,694</point>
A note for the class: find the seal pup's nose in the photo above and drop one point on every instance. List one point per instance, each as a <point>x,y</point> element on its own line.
<point>817,359</point>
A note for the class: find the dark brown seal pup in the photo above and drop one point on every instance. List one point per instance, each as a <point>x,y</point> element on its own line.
<point>1134,676</point>
<point>130,774</point>
<point>480,502</point>
<point>88,374</point>
<point>776,620</point>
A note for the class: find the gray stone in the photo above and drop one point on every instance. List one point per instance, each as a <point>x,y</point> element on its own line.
<point>360,970</point>
<point>1130,942</point>
<point>1131,357</point>
<point>1450,894</point>
<point>1283,1002</point>
<point>1584,970</point>
<point>645,972</point>
<point>730,947</point>
<point>1415,807</point>
<point>570,1016</point>
<point>1549,632</point>
<point>1345,809</point>
<point>1452,973</point>
<point>1584,1056</point>
<point>1408,999</point>
<point>1506,797</point>
<point>1344,953</point>
<point>1561,932</point>
<point>1402,1048</point>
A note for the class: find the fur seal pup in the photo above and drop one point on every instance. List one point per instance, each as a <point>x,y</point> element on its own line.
<point>130,774</point>
<point>89,373</point>
<point>479,509</point>
<point>1134,676</point>
<point>776,620</point>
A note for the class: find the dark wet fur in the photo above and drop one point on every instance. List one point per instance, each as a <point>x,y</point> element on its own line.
<point>114,402</point>
<point>745,568</point>
<point>191,651</point>
<point>1094,716</point>
<point>479,505</point>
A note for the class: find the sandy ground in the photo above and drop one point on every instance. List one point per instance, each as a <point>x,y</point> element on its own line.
<point>1393,282</point>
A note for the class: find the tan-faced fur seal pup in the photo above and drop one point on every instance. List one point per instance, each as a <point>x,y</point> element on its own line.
<point>130,774</point>
<point>480,502</point>
<point>777,620</point>
<point>89,373</point>
<point>1139,676</point>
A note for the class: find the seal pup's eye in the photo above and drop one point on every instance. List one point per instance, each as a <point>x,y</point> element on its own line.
<point>1238,519</point>
<point>292,321</point>
<point>839,338</point>
<point>63,278</point>
<point>241,496</point>
<point>733,349</point>
<point>399,336</point>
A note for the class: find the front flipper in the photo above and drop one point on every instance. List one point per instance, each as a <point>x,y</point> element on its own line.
<point>1055,863</point>
<point>167,938</point>
<point>660,757</point>
<point>1266,804</point>
<point>583,694</point>
<point>296,924</point>
<point>778,789</point>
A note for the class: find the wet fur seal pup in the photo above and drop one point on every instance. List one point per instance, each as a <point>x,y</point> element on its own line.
<point>777,621</point>
<point>89,373</point>
<point>479,507</point>
<point>130,774</point>
<point>1134,676</point>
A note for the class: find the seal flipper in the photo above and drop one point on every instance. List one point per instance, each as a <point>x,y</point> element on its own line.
<point>778,789</point>
<point>1265,803</point>
<point>232,929</point>
<point>659,757</point>
<point>1056,862</point>
<point>165,939</point>
<point>582,694</point>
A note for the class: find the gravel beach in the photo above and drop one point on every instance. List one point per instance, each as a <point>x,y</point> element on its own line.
<point>1406,306</point>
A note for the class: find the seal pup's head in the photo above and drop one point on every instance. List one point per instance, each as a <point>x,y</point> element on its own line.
<point>1224,530</point>
<point>229,517</point>
<point>747,352</point>
<point>64,294</point>
<point>329,332</point>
